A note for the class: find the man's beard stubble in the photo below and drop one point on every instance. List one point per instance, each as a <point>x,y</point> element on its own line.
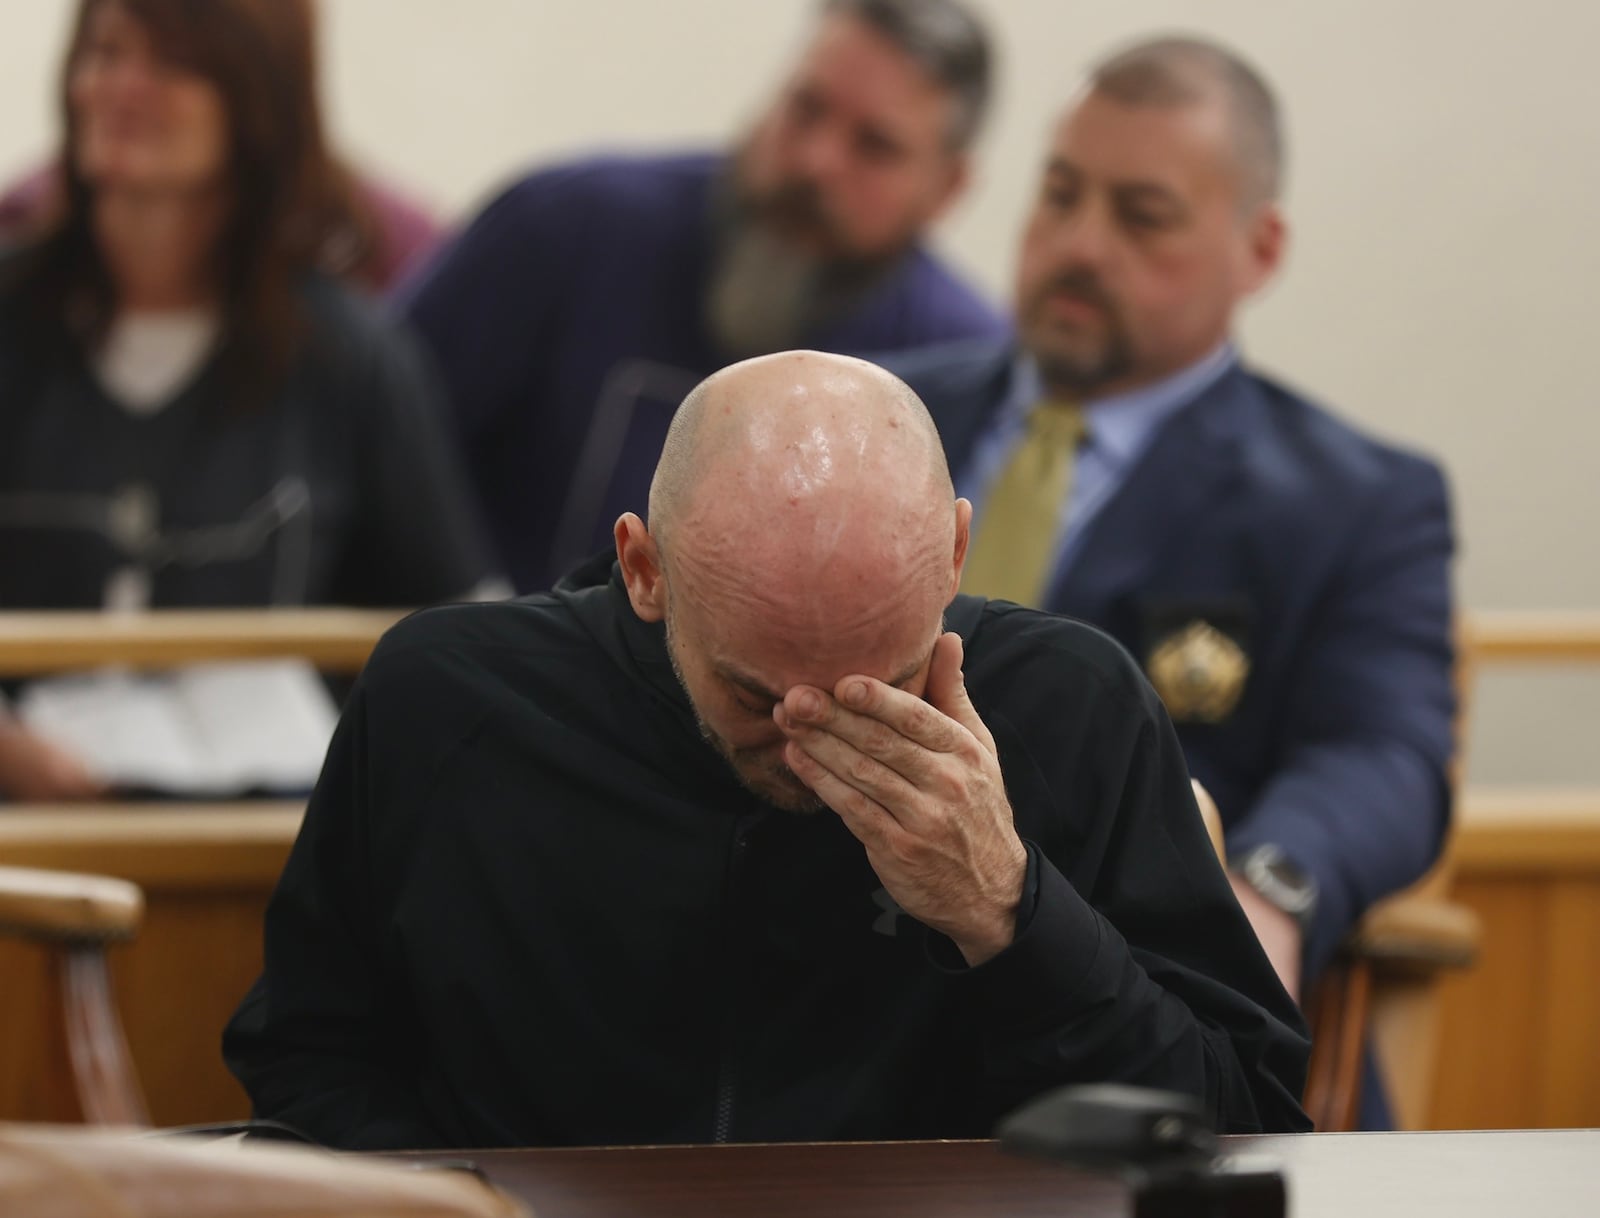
<point>782,788</point>
<point>766,293</point>
<point>1078,370</point>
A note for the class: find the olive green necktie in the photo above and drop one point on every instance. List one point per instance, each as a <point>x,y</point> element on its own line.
<point>1011,552</point>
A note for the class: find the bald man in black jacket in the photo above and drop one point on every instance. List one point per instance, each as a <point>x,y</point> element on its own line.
<point>756,835</point>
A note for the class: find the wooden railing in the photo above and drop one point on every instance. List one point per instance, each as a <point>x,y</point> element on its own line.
<point>335,640</point>
<point>339,640</point>
<point>1521,637</point>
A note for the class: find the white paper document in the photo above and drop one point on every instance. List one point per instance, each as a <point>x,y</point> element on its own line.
<point>206,729</point>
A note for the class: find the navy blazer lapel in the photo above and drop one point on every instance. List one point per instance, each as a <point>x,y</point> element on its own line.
<point>1145,525</point>
<point>963,385</point>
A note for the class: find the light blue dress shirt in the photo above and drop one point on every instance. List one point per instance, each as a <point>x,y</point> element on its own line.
<point>1119,429</point>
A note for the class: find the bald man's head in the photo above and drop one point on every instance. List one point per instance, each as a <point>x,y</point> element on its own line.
<point>802,528</point>
<point>820,476</point>
<point>830,427</point>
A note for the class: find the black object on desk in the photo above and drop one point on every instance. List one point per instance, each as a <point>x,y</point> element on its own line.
<point>1157,1142</point>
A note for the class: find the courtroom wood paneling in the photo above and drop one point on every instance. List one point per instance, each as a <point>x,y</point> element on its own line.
<point>1529,831</point>
<point>1569,1031</point>
<point>35,1074</point>
<point>1487,1055</point>
<point>197,955</point>
<point>207,873</point>
<point>1520,1033</point>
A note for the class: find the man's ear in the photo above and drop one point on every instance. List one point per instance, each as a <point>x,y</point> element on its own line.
<point>1268,240</point>
<point>963,536</point>
<point>641,568</point>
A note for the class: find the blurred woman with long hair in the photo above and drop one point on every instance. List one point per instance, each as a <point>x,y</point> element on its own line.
<point>193,411</point>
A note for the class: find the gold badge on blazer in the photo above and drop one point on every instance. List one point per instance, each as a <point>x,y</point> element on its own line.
<point>1199,673</point>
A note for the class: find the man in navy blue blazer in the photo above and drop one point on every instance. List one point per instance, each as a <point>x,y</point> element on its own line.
<point>1283,578</point>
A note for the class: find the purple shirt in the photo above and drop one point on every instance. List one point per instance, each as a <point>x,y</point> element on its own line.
<point>567,320</point>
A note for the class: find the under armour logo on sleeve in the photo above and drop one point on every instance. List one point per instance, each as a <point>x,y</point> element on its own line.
<point>887,922</point>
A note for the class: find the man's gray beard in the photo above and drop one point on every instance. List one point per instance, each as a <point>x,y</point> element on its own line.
<point>764,296</point>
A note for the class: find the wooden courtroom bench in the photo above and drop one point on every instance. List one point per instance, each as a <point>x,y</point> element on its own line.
<point>1519,1034</point>
<point>206,870</point>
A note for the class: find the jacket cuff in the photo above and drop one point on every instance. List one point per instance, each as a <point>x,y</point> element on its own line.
<point>1043,971</point>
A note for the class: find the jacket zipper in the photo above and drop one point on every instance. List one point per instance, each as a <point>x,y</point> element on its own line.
<point>725,1080</point>
<point>722,1126</point>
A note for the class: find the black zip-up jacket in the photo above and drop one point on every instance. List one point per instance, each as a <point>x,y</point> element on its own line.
<point>530,906</point>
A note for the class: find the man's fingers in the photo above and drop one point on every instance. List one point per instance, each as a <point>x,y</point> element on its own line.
<point>885,782</point>
<point>874,717</point>
<point>947,687</point>
<point>862,815</point>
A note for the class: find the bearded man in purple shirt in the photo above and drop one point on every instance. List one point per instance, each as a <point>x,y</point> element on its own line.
<point>574,313</point>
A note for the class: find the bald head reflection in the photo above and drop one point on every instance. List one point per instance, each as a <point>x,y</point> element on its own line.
<point>820,475</point>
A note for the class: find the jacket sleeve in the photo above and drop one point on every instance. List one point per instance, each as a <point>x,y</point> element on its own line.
<point>1135,963</point>
<point>1361,801</point>
<point>322,1041</point>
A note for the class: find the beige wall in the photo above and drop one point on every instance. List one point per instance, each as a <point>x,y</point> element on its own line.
<point>1444,189</point>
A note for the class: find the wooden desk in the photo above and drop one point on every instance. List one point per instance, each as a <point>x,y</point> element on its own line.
<point>207,872</point>
<point>1457,1175</point>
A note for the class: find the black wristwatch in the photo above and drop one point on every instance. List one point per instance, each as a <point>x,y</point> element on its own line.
<point>1280,883</point>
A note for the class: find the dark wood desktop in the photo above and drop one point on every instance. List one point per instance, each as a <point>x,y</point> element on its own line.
<point>1543,1174</point>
